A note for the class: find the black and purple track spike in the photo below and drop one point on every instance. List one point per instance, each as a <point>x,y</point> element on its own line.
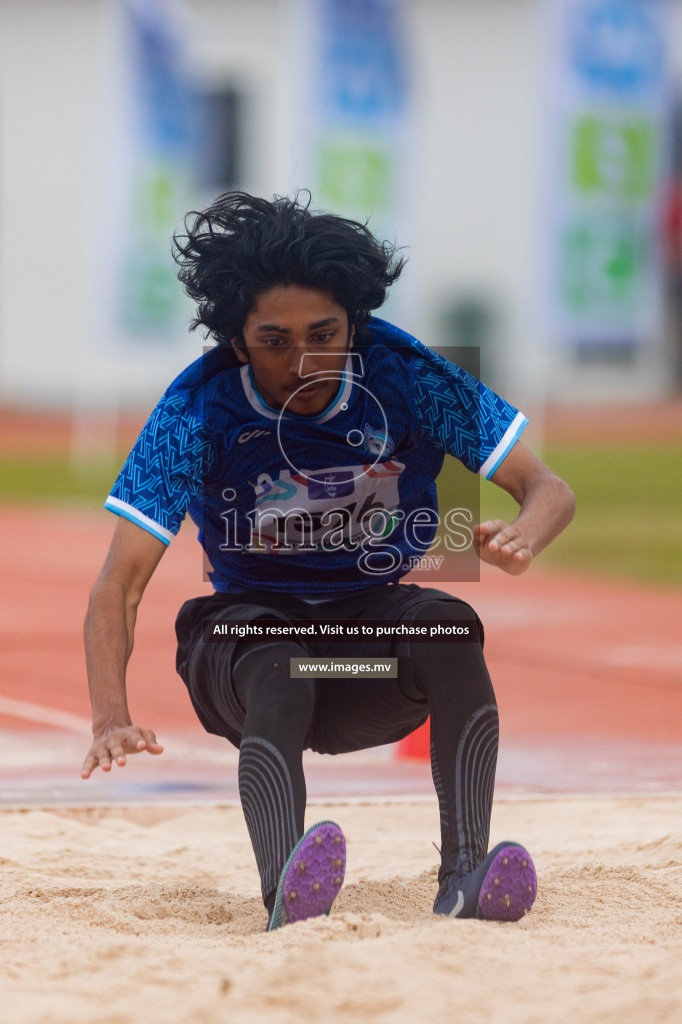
<point>312,876</point>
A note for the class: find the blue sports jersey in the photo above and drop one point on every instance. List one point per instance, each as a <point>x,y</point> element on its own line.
<point>311,504</point>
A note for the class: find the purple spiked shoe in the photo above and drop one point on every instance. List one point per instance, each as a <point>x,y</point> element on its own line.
<point>502,888</point>
<point>312,876</point>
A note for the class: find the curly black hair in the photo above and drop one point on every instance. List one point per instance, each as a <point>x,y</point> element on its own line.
<point>243,245</point>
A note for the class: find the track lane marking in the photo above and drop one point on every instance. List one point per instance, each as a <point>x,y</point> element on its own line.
<point>45,715</point>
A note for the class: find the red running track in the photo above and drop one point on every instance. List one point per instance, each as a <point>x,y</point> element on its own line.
<point>588,674</point>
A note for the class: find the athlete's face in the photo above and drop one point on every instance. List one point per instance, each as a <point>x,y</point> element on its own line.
<point>296,338</point>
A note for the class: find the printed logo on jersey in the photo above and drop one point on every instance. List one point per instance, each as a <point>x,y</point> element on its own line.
<point>251,435</point>
<point>327,509</point>
<point>334,484</point>
<point>376,441</point>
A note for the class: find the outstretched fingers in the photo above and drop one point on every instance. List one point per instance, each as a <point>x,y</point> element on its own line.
<point>112,748</point>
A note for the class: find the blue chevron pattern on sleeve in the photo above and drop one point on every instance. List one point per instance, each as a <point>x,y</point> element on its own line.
<point>165,469</point>
<point>463,416</point>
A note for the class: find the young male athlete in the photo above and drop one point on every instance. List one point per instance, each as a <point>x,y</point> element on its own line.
<point>305,447</point>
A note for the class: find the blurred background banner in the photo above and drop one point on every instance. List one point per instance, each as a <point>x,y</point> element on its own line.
<point>353,125</point>
<point>146,126</point>
<point>422,116</point>
<point>608,109</point>
<point>149,168</point>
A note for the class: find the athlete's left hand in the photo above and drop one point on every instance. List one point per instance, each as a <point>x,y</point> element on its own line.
<point>504,546</point>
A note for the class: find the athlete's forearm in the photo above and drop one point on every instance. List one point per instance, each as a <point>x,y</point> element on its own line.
<point>547,508</point>
<point>109,632</point>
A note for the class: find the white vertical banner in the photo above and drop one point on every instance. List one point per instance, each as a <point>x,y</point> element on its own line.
<point>148,170</point>
<point>608,105</point>
<point>141,189</point>
<point>353,121</point>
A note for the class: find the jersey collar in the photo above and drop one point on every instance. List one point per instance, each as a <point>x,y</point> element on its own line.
<point>260,405</point>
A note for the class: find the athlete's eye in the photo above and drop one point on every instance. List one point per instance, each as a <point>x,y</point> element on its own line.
<point>274,342</point>
<point>321,339</point>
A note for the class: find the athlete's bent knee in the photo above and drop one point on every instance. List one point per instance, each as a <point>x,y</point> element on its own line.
<point>267,692</point>
<point>449,615</point>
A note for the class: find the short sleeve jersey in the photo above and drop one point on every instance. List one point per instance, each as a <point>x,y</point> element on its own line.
<point>306,504</point>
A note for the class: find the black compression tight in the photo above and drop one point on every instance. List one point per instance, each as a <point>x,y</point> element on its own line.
<point>271,782</point>
<point>464,737</point>
<point>279,712</point>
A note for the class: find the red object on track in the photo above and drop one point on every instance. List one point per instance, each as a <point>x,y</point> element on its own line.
<point>416,746</point>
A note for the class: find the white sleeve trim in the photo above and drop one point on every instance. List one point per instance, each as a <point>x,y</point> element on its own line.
<point>122,508</point>
<point>501,450</point>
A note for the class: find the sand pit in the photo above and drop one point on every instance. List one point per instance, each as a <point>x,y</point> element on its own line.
<point>110,916</point>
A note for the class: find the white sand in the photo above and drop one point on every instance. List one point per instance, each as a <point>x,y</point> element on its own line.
<point>114,916</point>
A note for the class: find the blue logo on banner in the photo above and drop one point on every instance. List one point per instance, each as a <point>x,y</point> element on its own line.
<point>165,102</point>
<point>617,45</point>
<point>364,75</point>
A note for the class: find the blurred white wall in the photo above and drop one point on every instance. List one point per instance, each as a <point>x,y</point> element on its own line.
<point>477,214</point>
<point>479,67</point>
<point>47,72</point>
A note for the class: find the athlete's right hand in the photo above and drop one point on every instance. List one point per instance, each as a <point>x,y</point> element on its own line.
<point>114,743</point>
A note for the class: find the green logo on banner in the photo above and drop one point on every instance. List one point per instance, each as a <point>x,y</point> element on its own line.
<point>149,297</point>
<point>613,157</point>
<point>604,267</point>
<point>355,176</point>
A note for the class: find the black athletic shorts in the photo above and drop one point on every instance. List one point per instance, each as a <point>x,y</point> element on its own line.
<point>350,713</point>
